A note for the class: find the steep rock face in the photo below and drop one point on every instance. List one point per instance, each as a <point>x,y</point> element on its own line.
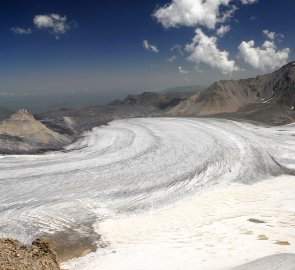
<point>22,133</point>
<point>16,256</point>
<point>279,87</point>
<point>276,89</point>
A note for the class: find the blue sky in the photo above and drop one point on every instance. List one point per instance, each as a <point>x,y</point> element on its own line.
<point>118,47</point>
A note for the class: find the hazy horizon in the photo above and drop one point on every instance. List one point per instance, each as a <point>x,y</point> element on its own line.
<point>39,102</point>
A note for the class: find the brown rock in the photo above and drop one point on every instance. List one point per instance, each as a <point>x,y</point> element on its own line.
<point>16,256</point>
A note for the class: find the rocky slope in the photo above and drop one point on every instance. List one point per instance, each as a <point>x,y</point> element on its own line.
<point>16,256</point>
<point>22,133</point>
<point>223,96</point>
<point>268,98</point>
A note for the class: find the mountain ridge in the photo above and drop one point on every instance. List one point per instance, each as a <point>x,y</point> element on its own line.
<point>269,91</point>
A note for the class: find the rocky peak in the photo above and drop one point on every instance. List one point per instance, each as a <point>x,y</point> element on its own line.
<point>22,115</point>
<point>292,64</point>
<point>288,68</point>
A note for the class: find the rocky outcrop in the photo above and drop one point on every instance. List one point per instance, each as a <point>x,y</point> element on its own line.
<point>16,256</point>
<point>22,133</point>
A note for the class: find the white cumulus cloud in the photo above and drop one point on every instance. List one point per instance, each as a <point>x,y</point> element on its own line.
<point>56,23</point>
<point>21,31</point>
<point>149,47</point>
<point>190,13</point>
<point>222,30</point>
<point>203,49</point>
<point>197,12</point>
<point>266,57</point>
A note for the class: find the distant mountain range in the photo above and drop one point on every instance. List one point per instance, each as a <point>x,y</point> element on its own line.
<point>182,89</point>
<point>269,99</point>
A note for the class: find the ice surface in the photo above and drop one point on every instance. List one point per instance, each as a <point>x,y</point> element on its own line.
<point>211,231</point>
<point>134,166</point>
